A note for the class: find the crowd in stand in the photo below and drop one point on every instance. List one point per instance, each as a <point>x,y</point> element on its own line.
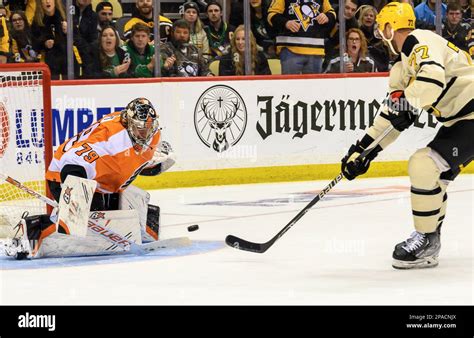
<point>302,34</point>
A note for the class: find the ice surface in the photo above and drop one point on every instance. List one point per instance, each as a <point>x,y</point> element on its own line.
<point>338,253</point>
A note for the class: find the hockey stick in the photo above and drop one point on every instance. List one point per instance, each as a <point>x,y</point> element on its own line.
<point>30,191</point>
<point>242,244</point>
<point>99,230</point>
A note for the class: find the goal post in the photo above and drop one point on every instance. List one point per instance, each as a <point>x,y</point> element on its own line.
<point>26,142</point>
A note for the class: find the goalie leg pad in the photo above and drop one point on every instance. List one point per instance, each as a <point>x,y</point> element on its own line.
<point>153,221</point>
<point>134,198</point>
<point>107,229</point>
<point>60,245</point>
<point>427,190</point>
<point>74,205</point>
<point>36,225</point>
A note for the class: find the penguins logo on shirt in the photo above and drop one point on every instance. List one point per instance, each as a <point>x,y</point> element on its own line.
<point>306,12</point>
<point>188,69</point>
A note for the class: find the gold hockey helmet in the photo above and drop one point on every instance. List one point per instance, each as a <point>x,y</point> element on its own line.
<point>398,15</point>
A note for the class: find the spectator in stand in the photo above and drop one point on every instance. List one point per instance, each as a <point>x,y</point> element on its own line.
<point>356,58</point>
<point>234,62</point>
<point>376,48</point>
<point>86,19</point>
<point>3,12</point>
<point>466,9</point>
<point>49,31</point>
<point>425,14</point>
<point>470,44</point>
<point>198,35</point>
<point>4,39</point>
<point>109,60</point>
<point>263,32</point>
<point>105,12</point>
<point>331,46</point>
<point>144,14</point>
<point>217,31</point>
<point>454,30</point>
<point>21,39</point>
<point>366,21</point>
<point>300,39</point>
<point>179,57</point>
<point>140,51</point>
<point>27,6</point>
<point>350,9</point>
<point>202,4</point>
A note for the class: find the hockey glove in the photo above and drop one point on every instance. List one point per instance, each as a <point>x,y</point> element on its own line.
<point>400,113</point>
<point>163,159</point>
<point>351,167</point>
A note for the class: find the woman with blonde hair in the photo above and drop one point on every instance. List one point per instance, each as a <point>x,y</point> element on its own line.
<point>234,62</point>
<point>377,50</point>
<point>356,59</point>
<point>49,29</point>
<point>367,15</point>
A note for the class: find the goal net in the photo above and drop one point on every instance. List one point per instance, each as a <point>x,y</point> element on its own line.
<point>25,139</point>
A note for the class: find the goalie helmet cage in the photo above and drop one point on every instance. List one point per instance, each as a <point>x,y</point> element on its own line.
<point>25,139</point>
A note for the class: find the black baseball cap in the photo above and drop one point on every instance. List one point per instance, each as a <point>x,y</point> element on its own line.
<point>104,4</point>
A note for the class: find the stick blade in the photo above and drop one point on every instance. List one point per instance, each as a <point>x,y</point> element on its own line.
<point>242,244</point>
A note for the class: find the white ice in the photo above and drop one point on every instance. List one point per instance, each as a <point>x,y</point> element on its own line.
<point>338,253</point>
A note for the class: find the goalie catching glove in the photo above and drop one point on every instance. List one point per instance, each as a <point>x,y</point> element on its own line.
<point>163,159</point>
<point>399,112</point>
<point>351,167</point>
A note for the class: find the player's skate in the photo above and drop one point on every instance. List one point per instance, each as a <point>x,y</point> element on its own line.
<point>418,251</point>
<point>19,246</point>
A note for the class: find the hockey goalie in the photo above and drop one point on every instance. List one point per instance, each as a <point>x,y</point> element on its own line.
<point>98,211</point>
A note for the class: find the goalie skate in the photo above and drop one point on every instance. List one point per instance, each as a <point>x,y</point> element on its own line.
<point>19,246</point>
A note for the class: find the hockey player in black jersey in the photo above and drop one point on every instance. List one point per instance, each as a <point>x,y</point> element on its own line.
<point>431,74</point>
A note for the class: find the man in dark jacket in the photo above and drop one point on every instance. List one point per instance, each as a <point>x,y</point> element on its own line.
<point>180,58</point>
<point>217,30</point>
<point>105,12</point>
<point>86,20</point>
<point>454,30</point>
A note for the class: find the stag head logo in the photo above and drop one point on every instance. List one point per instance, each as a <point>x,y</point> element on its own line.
<point>220,117</point>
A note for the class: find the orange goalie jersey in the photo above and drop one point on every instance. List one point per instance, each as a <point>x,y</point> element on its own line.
<point>107,154</point>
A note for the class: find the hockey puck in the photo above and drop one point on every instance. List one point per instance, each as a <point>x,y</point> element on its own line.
<point>193,227</point>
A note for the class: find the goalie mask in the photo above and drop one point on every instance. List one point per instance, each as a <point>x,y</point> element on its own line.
<point>141,121</point>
